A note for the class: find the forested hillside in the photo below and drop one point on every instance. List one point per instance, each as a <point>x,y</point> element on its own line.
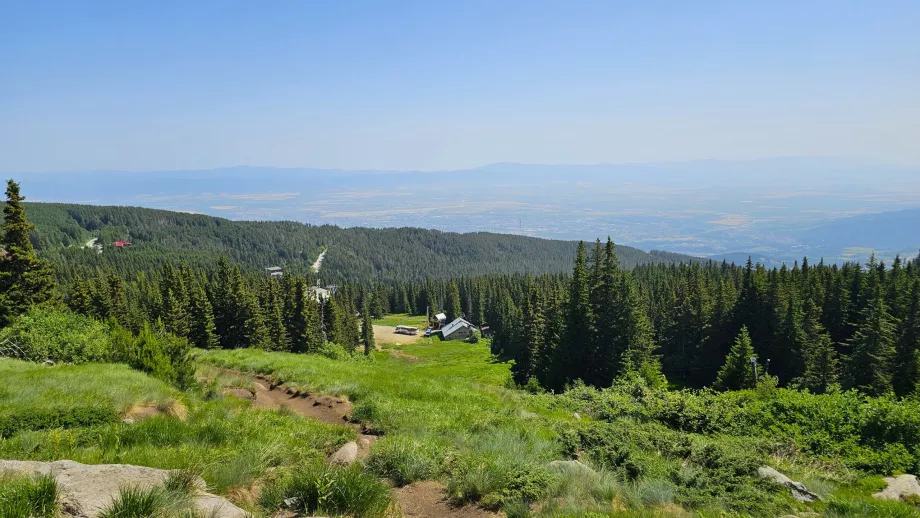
<point>354,254</point>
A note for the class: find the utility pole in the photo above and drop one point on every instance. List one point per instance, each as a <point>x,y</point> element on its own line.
<point>754,364</point>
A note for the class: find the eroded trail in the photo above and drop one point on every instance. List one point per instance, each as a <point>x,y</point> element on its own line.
<point>421,499</point>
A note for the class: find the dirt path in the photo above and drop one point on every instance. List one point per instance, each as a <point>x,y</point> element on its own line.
<point>421,499</point>
<point>319,260</point>
<point>428,499</point>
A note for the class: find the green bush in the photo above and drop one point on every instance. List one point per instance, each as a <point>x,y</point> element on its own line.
<point>156,352</point>
<point>28,497</point>
<point>46,333</point>
<point>321,489</point>
<point>14,421</point>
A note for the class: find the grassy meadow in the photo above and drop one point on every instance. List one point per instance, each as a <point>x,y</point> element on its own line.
<point>446,411</point>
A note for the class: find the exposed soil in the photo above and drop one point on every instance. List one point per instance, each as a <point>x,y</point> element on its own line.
<point>319,261</point>
<point>328,409</point>
<point>428,499</point>
<point>422,499</point>
<point>388,335</point>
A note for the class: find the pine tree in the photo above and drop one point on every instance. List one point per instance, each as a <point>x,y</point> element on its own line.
<point>906,378</point>
<point>367,330</point>
<point>24,279</point>
<point>738,371</point>
<point>872,348</point>
<point>454,310</point>
<point>174,315</point>
<point>639,358</point>
<point>819,357</point>
<point>117,300</point>
<point>526,360</point>
<point>274,317</point>
<point>574,351</point>
<point>201,331</point>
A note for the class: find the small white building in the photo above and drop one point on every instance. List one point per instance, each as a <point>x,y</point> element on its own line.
<point>320,294</point>
<point>459,329</point>
<point>442,319</point>
<point>275,272</point>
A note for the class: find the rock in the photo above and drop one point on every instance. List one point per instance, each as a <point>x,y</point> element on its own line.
<point>571,466</point>
<point>128,420</point>
<point>49,363</point>
<point>899,487</point>
<point>85,490</point>
<point>577,416</point>
<point>798,490</point>
<point>346,455</point>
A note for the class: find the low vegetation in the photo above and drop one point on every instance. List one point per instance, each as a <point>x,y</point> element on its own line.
<point>28,497</point>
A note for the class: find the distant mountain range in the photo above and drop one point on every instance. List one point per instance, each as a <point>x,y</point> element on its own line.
<point>775,208</point>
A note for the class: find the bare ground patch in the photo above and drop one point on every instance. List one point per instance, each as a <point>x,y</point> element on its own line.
<point>429,499</point>
<point>388,335</point>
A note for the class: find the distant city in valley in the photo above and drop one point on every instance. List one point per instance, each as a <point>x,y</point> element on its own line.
<point>776,210</point>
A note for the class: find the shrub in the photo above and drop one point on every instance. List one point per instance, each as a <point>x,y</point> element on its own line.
<point>46,333</point>
<point>28,497</point>
<point>14,421</point>
<point>322,489</point>
<point>156,352</point>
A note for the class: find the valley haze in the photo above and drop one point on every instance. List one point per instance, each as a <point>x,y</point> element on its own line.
<point>776,209</point>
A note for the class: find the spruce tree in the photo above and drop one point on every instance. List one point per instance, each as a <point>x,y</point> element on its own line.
<point>201,331</point>
<point>24,279</point>
<point>367,329</point>
<point>574,359</point>
<point>526,360</point>
<point>906,378</point>
<point>454,310</point>
<point>274,317</point>
<point>639,358</point>
<point>872,348</point>
<point>821,369</point>
<point>738,371</point>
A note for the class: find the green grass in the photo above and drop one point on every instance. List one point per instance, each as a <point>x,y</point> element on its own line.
<point>27,497</point>
<point>403,319</point>
<point>454,401</point>
<point>35,397</point>
<point>319,489</point>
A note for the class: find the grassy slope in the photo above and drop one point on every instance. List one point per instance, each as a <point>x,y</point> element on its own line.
<point>227,442</point>
<point>446,413</point>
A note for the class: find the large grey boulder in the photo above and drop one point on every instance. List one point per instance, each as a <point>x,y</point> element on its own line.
<point>899,487</point>
<point>346,456</point>
<point>85,490</point>
<point>797,489</point>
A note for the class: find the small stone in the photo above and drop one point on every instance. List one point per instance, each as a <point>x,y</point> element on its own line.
<point>576,416</point>
<point>128,420</point>
<point>49,363</point>
<point>346,455</point>
<point>797,489</point>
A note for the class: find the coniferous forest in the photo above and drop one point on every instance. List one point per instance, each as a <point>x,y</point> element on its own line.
<point>694,373</point>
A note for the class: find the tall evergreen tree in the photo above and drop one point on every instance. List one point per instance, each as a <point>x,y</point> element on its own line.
<point>906,378</point>
<point>738,371</point>
<point>367,329</point>
<point>821,369</point>
<point>575,349</point>
<point>872,348</point>
<point>453,302</point>
<point>201,333</point>
<point>525,364</point>
<point>24,279</point>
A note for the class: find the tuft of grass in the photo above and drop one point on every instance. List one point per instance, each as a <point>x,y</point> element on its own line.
<point>27,497</point>
<point>322,489</point>
<point>133,502</point>
<point>405,460</point>
<point>182,481</point>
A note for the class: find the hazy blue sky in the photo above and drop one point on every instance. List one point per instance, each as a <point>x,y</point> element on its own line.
<point>449,84</point>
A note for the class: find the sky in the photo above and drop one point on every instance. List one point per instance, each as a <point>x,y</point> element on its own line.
<point>439,85</point>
